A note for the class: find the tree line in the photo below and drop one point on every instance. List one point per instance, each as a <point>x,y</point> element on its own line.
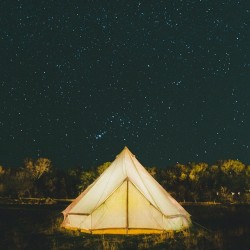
<point>224,181</point>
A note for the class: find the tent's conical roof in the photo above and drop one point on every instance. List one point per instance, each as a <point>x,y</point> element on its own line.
<point>118,186</point>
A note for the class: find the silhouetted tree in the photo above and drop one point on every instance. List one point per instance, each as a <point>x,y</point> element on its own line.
<point>38,167</point>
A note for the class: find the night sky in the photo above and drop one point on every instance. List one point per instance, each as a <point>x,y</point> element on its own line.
<point>79,80</point>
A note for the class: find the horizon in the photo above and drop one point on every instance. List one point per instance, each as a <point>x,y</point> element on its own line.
<point>55,165</point>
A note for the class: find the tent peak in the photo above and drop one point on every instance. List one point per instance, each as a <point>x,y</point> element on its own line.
<point>126,151</point>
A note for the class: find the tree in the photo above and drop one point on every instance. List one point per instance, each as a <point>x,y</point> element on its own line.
<point>19,183</point>
<point>197,171</point>
<point>73,181</point>
<point>233,175</point>
<point>38,167</point>
<point>103,167</point>
<point>225,195</point>
<point>2,170</point>
<point>182,171</point>
<point>247,177</point>
<point>232,167</point>
<point>197,176</point>
<point>181,184</point>
<point>86,178</point>
<point>152,171</point>
<point>2,173</point>
<point>211,178</point>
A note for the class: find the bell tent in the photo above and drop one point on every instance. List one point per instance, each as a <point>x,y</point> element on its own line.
<point>125,199</point>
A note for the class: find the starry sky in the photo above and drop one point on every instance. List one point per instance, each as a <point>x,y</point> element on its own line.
<point>79,80</point>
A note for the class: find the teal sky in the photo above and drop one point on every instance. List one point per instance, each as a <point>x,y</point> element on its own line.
<point>168,79</point>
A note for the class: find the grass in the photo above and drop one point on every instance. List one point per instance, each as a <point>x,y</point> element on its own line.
<point>38,227</point>
<point>191,239</point>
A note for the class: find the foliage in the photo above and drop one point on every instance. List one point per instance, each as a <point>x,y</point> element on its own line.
<point>103,167</point>
<point>224,181</point>
<point>86,178</point>
<point>38,167</point>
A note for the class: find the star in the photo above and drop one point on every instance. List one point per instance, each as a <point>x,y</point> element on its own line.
<point>141,74</point>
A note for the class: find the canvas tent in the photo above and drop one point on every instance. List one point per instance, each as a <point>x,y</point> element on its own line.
<point>125,199</point>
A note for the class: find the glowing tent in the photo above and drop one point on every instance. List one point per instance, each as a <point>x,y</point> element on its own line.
<point>125,199</point>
